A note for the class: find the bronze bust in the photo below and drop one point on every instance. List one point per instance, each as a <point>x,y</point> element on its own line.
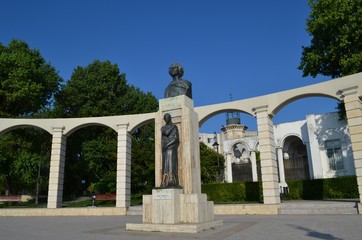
<point>178,86</point>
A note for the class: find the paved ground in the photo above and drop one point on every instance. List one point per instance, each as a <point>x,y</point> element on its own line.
<point>253,227</point>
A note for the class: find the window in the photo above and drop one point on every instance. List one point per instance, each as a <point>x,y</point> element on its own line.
<point>334,154</point>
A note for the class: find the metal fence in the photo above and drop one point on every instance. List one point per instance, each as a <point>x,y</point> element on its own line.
<point>242,172</point>
<point>296,168</point>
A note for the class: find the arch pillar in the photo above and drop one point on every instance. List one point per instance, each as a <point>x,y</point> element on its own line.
<point>353,105</point>
<point>228,169</point>
<point>254,167</point>
<point>56,172</point>
<point>124,147</point>
<point>281,167</point>
<point>269,166</point>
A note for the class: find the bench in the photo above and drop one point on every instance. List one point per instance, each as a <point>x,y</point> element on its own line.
<point>106,197</point>
<point>10,198</point>
<point>103,197</point>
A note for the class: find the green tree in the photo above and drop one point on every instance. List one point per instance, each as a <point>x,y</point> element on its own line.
<point>100,90</point>
<point>336,44</point>
<point>24,152</point>
<point>143,158</point>
<point>100,154</point>
<point>27,85</point>
<point>211,164</point>
<point>27,81</point>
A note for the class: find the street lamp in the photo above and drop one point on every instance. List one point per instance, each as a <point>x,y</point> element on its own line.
<point>215,144</point>
<point>216,147</point>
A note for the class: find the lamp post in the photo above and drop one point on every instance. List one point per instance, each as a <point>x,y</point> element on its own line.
<point>37,185</point>
<point>216,147</point>
<point>93,198</point>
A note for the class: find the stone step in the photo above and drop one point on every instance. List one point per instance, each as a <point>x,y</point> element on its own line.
<point>319,207</point>
<point>297,207</point>
<point>135,210</point>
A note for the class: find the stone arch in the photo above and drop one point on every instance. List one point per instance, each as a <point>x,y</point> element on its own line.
<point>285,137</point>
<point>295,160</point>
<point>141,124</point>
<point>209,112</point>
<point>239,144</point>
<point>292,144</point>
<point>39,155</point>
<point>241,161</point>
<point>256,146</point>
<point>17,126</point>
<point>287,101</point>
<point>84,125</point>
<point>78,182</point>
<point>135,121</point>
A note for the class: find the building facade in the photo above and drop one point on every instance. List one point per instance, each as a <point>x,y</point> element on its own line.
<point>316,147</point>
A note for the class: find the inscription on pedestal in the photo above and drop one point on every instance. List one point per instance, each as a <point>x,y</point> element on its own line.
<point>161,197</point>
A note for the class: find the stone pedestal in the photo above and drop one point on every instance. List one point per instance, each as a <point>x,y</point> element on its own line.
<point>164,202</point>
<point>172,209</point>
<point>169,210</point>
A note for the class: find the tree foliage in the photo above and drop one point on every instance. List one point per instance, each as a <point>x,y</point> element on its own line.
<point>27,85</point>
<point>27,81</point>
<point>336,45</point>
<point>211,164</point>
<point>99,89</point>
<point>143,158</point>
<point>24,152</point>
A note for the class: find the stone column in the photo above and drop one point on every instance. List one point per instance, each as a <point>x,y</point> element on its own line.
<point>254,167</point>
<point>353,105</point>
<point>269,168</point>
<point>314,158</point>
<point>229,170</point>
<point>281,167</point>
<point>124,146</point>
<point>56,172</point>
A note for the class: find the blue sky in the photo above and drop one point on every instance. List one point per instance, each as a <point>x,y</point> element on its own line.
<point>242,48</point>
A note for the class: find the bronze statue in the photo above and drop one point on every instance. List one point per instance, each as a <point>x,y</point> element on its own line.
<point>178,86</point>
<point>170,143</point>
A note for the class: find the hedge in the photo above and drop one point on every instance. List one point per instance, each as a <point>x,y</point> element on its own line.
<point>233,192</point>
<point>318,189</point>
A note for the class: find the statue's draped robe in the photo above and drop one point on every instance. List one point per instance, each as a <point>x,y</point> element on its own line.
<point>170,142</point>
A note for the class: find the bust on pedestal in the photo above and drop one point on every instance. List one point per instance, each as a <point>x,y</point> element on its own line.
<point>178,86</point>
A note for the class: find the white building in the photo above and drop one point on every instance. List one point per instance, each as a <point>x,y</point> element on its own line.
<point>317,147</point>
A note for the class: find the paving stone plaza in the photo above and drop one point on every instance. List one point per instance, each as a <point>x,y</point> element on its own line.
<point>249,227</point>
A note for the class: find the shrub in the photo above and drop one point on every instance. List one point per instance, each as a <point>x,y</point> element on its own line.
<point>319,189</point>
<point>232,192</point>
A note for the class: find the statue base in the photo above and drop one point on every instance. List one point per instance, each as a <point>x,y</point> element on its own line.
<point>169,210</point>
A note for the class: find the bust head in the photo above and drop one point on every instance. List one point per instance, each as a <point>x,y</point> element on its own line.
<point>176,70</point>
<point>178,86</point>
